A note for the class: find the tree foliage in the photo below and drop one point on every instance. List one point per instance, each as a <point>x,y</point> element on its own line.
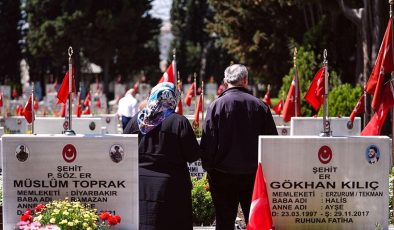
<point>259,34</point>
<point>256,33</point>
<point>111,33</point>
<point>196,52</point>
<point>342,99</point>
<point>10,54</point>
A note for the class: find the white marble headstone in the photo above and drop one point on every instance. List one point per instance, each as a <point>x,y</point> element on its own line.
<point>15,125</point>
<point>101,170</point>
<point>314,126</point>
<point>56,125</point>
<point>327,182</point>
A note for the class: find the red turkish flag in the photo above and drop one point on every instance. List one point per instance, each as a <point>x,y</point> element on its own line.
<point>78,109</point>
<point>14,93</point>
<point>267,97</point>
<point>278,107</point>
<point>87,110</point>
<point>220,90</point>
<point>28,111</point>
<point>260,213</point>
<point>136,87</point>
<point>359,108</point>
<point>289,107</point>
<point>383,65</point>
<point>36,105</point>
<point>63,111</point>
<point>63,92</point>
<point>179,108</point>
<point>1,100</point>
<point>19,110</point>
<point>190,94</point>
<point>375,125</point>
<point>98,103</point>
<point>196,121</point>
<point>315,94</point>
<point>168,76</point>
<point>87,100</point>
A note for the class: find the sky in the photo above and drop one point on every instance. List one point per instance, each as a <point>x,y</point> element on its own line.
<point>161,9</point>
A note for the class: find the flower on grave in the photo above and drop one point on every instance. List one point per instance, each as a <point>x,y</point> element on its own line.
<point>65,214</point>
<point>108,220</point>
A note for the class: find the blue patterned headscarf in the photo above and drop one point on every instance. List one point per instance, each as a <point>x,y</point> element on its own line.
<point>161,103</point>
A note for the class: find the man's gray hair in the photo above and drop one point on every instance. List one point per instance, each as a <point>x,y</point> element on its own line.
<point>235,73</point>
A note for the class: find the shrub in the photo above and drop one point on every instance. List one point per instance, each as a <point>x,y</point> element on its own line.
<point>203,210</point>
<point>307,68</point>
<point>342,99</point>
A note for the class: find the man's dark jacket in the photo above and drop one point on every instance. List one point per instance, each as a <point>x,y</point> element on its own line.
<point>230,136</point>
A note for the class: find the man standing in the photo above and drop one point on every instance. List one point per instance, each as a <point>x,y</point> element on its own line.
<point>230,145</point>
<point>127,107</point>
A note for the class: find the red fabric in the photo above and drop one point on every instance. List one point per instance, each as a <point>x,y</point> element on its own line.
<point>278,107</point>
<point>383,65</point>
<point>63,111</point>
<point>289,107</point>
<point>168,76</point>
<point>220,90</point>
<point>260,213</point>
<point>14,93</point>
<point>1,99</point>
<point>136,87</point>
<point>19,110</point>
<point>315,93</point>
<point>359,108</point>
<point>87,100</point>
<point>98,103</point>
<point>267,98</point>
<point>62,94</point>
<point>190,94</point>
<point>179,108</point>
<point>196,121</point>
<point>28,111</point>
<point>375,125</point>
<point>87,110</point>
<point>36,105</point>
<point>78,109</point>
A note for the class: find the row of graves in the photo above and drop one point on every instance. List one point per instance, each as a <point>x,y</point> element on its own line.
<point>318,173</point>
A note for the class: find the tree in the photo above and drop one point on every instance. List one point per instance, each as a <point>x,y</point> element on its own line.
<point>102,30</point>
<point>195,48</point>
<point>10,54</point>
<point>368,20</point>
<point>121,28</point>
<point>257,33</point>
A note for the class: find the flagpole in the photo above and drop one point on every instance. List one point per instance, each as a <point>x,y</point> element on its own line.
<point>296,83</point>
<point>326,122</point>
<point>202,103</point>
<point>32,108</point>
<point>391,2</point>
<point>174,70</point>
<point>195,90</point>
<point>69,131</point>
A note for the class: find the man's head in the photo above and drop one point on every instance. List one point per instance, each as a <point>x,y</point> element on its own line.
<point>236,75</point>
<point>372,152</point>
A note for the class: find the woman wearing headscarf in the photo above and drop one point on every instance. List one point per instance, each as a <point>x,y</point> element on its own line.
<point>166,143</point>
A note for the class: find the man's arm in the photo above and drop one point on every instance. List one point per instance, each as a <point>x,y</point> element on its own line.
<point>209,140</point>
